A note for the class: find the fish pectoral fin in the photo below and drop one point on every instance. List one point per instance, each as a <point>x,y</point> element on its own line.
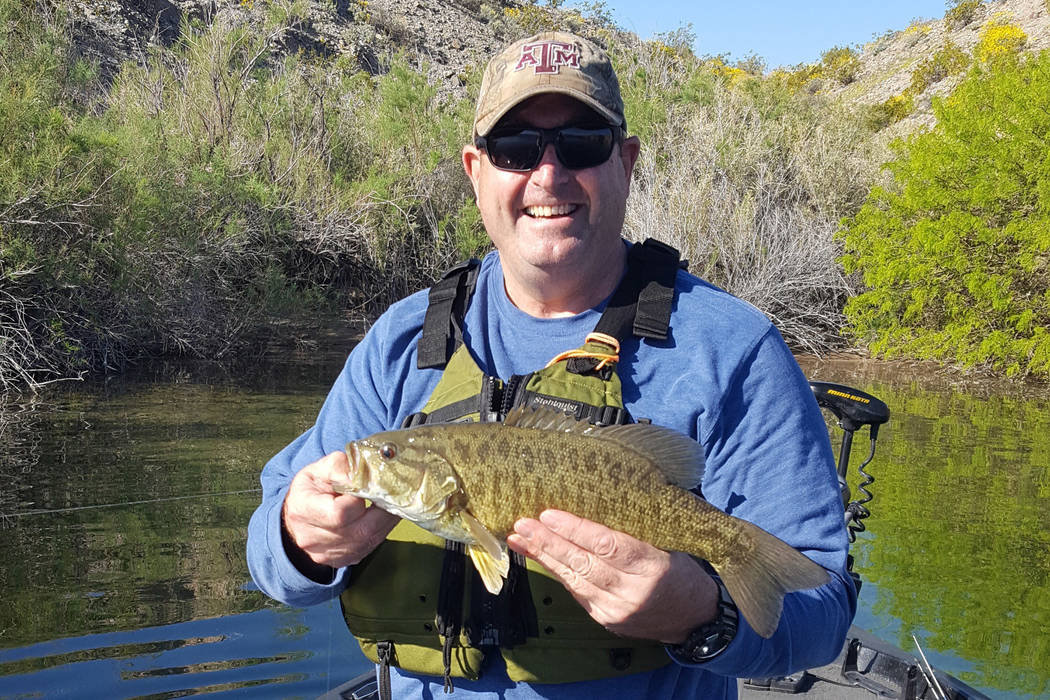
<point>493,571</point>
<point>488,553</point>
<point>485,539</point>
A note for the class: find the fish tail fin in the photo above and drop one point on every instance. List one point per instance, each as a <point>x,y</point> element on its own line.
<point>492,570</point>
<point>758,581</point>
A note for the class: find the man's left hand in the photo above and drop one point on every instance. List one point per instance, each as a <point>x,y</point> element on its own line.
<point>628,586</point>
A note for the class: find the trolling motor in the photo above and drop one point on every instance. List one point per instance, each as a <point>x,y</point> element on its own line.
<point>854,409</point>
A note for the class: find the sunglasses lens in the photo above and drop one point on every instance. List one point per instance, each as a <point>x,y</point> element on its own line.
<point>577,147</point>
<point>516,150</point>
<point>584,148</point>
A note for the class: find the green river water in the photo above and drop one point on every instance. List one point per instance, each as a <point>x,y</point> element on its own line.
<point>125,505</point>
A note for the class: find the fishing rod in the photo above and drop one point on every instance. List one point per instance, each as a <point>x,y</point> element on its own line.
<point>71,509</point>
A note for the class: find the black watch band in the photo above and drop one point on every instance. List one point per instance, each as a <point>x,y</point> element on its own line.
<point>710,639</point>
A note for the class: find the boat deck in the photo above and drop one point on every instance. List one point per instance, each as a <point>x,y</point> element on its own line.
<point>866,668</point>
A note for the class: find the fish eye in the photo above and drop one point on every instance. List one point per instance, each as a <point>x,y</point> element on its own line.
<point>387,451</point>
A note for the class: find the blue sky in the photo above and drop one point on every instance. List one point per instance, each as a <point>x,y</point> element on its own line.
<point>783,33</point>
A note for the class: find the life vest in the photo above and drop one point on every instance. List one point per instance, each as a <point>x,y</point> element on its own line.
<point>416,601</point>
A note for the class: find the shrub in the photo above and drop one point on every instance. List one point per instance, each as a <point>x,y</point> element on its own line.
<point>747,178</point>
<point>999,39</point>
<point>840,63</point>
<point>48,193</point>
<point>588,19</point>
<point>890,111</point>
<point>223,187</point>
<point>946,61</point>
<point>953,255</point>
<point>961,12</point>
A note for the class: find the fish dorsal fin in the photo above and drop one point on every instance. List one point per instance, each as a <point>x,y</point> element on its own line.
<point>488,554</point>
<point>678,457</point>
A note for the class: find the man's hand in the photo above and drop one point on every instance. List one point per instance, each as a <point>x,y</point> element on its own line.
<point>628,586</point>
<point>327,529</point>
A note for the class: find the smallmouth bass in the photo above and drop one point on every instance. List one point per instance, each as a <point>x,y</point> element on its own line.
<point>470,482</point>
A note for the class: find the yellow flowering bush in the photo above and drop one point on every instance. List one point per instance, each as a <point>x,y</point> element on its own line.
<point>891,111</point>
<point>840,63</point>
<point>999,38</point>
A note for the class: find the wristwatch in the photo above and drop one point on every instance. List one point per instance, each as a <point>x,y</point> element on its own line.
<point>710,639</point>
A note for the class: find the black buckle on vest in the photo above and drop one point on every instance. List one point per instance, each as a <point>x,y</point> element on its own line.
<point>641,305</point>
<point>609,415</point>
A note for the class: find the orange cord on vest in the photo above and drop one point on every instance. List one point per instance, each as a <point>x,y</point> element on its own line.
<point>605,358</point>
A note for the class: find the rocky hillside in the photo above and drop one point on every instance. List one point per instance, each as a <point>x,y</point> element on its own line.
<point>444,35</point>
<point>449,36</point>
<point>887,64</point>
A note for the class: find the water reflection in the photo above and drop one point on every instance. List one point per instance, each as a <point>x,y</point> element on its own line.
<point>126,506</point>
<point>956,548</point>
<point>279,653</point>
<point>123,529</point>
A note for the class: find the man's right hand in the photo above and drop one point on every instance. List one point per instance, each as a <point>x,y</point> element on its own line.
<point>325,530</point>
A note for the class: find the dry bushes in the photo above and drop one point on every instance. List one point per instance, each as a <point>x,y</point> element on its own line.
<point>749,182</point>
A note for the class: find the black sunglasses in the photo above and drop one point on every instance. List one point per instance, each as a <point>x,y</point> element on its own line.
<point>520,149</point>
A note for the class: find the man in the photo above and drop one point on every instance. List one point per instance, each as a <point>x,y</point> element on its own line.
<point>551,169</point>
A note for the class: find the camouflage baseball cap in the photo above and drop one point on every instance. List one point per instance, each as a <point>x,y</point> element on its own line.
<point>549,62</point>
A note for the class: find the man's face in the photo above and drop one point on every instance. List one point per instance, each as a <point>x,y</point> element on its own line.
<point>552,220</point>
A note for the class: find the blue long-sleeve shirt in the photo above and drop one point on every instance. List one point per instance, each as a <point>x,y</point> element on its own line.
<point>724,377</point>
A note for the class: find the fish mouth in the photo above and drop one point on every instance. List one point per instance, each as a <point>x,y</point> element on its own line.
<point>358,474</point>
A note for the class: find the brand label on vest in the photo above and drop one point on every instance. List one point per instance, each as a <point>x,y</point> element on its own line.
<point>548,56</point>
<point>553,402</point>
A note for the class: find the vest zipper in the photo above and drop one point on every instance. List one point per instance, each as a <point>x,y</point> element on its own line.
<point>491,400</point>
<point>510,393</point>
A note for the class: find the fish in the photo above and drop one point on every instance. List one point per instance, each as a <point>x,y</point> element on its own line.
<point>470,482</point>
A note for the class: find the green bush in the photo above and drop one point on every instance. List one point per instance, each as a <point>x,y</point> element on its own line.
<point>222,187</point>
<point>961,12</point>
<point>946,61</point>
<point>955,256</point>
<point>840,63</point>
<point>890,111</point>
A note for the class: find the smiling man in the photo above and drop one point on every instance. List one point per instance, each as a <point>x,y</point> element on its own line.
<point>587,611</point>
<point>548,218</point>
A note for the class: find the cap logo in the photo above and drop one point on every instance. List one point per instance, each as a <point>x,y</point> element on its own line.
<point>548,56</point>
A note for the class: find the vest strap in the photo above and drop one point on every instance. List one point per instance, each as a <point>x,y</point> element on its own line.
<point>450,604</point>
<point>385,649</point>
<point>447,302</point>
<point>653,314</point>
<point>641,304</point>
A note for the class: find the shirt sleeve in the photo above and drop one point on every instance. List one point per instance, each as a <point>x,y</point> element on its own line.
<point>769,461</point>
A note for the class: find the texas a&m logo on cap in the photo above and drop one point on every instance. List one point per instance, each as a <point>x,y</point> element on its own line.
<point>548,56</point>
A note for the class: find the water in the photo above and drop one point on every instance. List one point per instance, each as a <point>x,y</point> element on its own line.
<point>126,504</point>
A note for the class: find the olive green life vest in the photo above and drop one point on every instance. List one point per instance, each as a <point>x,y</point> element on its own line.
<point>416,602</point>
